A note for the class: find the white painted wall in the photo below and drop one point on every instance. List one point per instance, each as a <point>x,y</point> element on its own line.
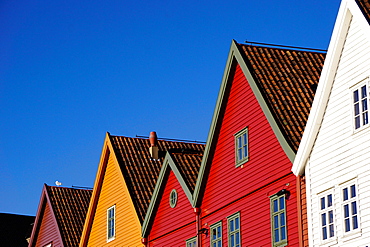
<point>340,154</point>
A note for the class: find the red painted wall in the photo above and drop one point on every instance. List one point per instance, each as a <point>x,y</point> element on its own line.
<point>248,188</point>
<point>48,231</point>
<point>172,226</point>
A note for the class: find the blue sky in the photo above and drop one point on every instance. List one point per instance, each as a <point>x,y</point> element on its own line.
<point>72,70</point>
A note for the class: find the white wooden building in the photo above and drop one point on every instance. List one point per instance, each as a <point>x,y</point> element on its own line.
<point>334,153</point>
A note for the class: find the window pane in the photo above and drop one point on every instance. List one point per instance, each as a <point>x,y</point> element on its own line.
<point>322,202</point>
<point>219,232</point>
<point>232,241</point>
<point>231,225</point>
<point>346,223</point>
<point>331,229</point>
<point>214,233</point>
<point>236,223</point>
<point>323,219</point>
<point>276,232</point>
<point>281,202</point>
<point>219,244</point>
<point>353,191</point>
<point>354,208</point>
<point>245,139</point>
<point>324,233</point>
<point>357,109</point>
<point>283,233</point>
<point>276,221</point>
<point>365,118</point>
<point>357,122</point>
<point>364,105</point>
<point>345,194</point>
<point>240,142</point>
<point>330,200</point>
<point>331,216</point>
<point>346,211</point>
<point>363,92</point>
<point>237,238</point>
<point>245,151</point>
<point>355,96</point>
<point>275,205</point>
<point>282,219</point>
<point>354,222</point>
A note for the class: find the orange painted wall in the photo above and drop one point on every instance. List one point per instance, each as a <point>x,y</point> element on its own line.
<point>114,192</point>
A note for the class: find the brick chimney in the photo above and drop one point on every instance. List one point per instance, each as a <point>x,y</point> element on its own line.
<point>153,149</point>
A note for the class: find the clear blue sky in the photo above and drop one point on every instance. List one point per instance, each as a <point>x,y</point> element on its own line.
<point>72,70</point>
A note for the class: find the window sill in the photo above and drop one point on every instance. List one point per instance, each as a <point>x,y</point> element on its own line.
<point>351,235</point>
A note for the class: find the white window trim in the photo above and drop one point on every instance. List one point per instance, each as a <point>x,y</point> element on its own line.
<point>229,218</point>
<point>173,203</point>
<point>355,232</point>
<point>109,239</point>
<point>211,227</point>
<point>357,86</point>
<point>240,133</point>
<point>325,194</point>
<point>190,241</point>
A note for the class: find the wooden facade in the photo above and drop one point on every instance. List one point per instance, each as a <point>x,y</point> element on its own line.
<point>334,153</point>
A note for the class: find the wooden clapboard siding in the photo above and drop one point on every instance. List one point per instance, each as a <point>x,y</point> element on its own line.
<point>255,215</point>
<point>339,154</point>
<point>267,160</point>
<point>48,231</point>
<point>127,224</point>
<point>172,226</point>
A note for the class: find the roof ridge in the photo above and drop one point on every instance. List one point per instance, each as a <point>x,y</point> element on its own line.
<point>283,47</point>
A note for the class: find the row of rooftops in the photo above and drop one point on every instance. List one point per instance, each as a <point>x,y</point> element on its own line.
<point>287,79</point>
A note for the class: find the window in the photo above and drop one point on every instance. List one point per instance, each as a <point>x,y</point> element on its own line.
<point>173,198</point>
<point>360,106</point>
<point>234,230</point>
<point>241,147</point>
<point>327,216</point>
<point>111,223</point>
<point>350,208</point>
<point>216,234</point>
<point>191,242</point>
<point>278,220</point>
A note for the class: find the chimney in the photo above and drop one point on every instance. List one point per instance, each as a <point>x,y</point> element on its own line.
<point>153,145</point>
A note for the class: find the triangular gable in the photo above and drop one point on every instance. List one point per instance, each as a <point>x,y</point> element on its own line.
<point>185,177</point>
<point>107,151</point>
<point>44,203</point>
<point>288,139</point>
<point>348,10</point>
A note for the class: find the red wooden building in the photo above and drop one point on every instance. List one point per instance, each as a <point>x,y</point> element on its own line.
<point>245,193</point>
<point>60,217</point>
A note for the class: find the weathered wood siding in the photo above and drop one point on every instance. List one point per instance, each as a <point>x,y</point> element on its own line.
<point>48,231</point>
<point>246,189</point>
<point>339,154</point>
<point>114,192</point>
<point>172,226</point>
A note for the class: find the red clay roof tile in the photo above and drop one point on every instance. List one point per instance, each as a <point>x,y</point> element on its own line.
<point>140,170</point>
<point>287,81</point>
<point>70,207</point>
<point>365,8</point>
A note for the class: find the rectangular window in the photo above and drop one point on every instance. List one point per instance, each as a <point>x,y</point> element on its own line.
<point>326,205</point>
<point>111,223</point>
<point>350,208</point>
<point>216,234</point>
<point>360,106</point>
<point>233,222</point>
<point>241,147</point>
<point>278,220</point>
<point>191,242</point>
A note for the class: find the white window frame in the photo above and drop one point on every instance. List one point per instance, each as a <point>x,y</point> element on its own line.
<point>217,242</point>
<point>191,242</point>
<point>326,207</point>
<point>363,121</point>
<point>241,139</point>
<point>110,238</point>
<point>278,216</point>
<point>347,206</point>
<point>173,198</point>
<point>233,230</point>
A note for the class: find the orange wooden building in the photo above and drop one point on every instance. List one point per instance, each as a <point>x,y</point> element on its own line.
<point>127,175</point>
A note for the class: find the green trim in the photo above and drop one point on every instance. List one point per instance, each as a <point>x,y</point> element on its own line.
<point>190,242</point>
<point>236,56</point>
<point>168,164</point>
<point>173,198</point>
<point>215,226</point>
<point>278,214</point>
<point>240,134</point>
<point>229,232</point>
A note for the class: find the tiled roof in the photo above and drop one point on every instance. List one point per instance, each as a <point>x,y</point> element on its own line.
<point>188,164</point>
<point>365,8</point>
<point>70,207</point>
<point>287,80</point>
<point>139,170</point>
